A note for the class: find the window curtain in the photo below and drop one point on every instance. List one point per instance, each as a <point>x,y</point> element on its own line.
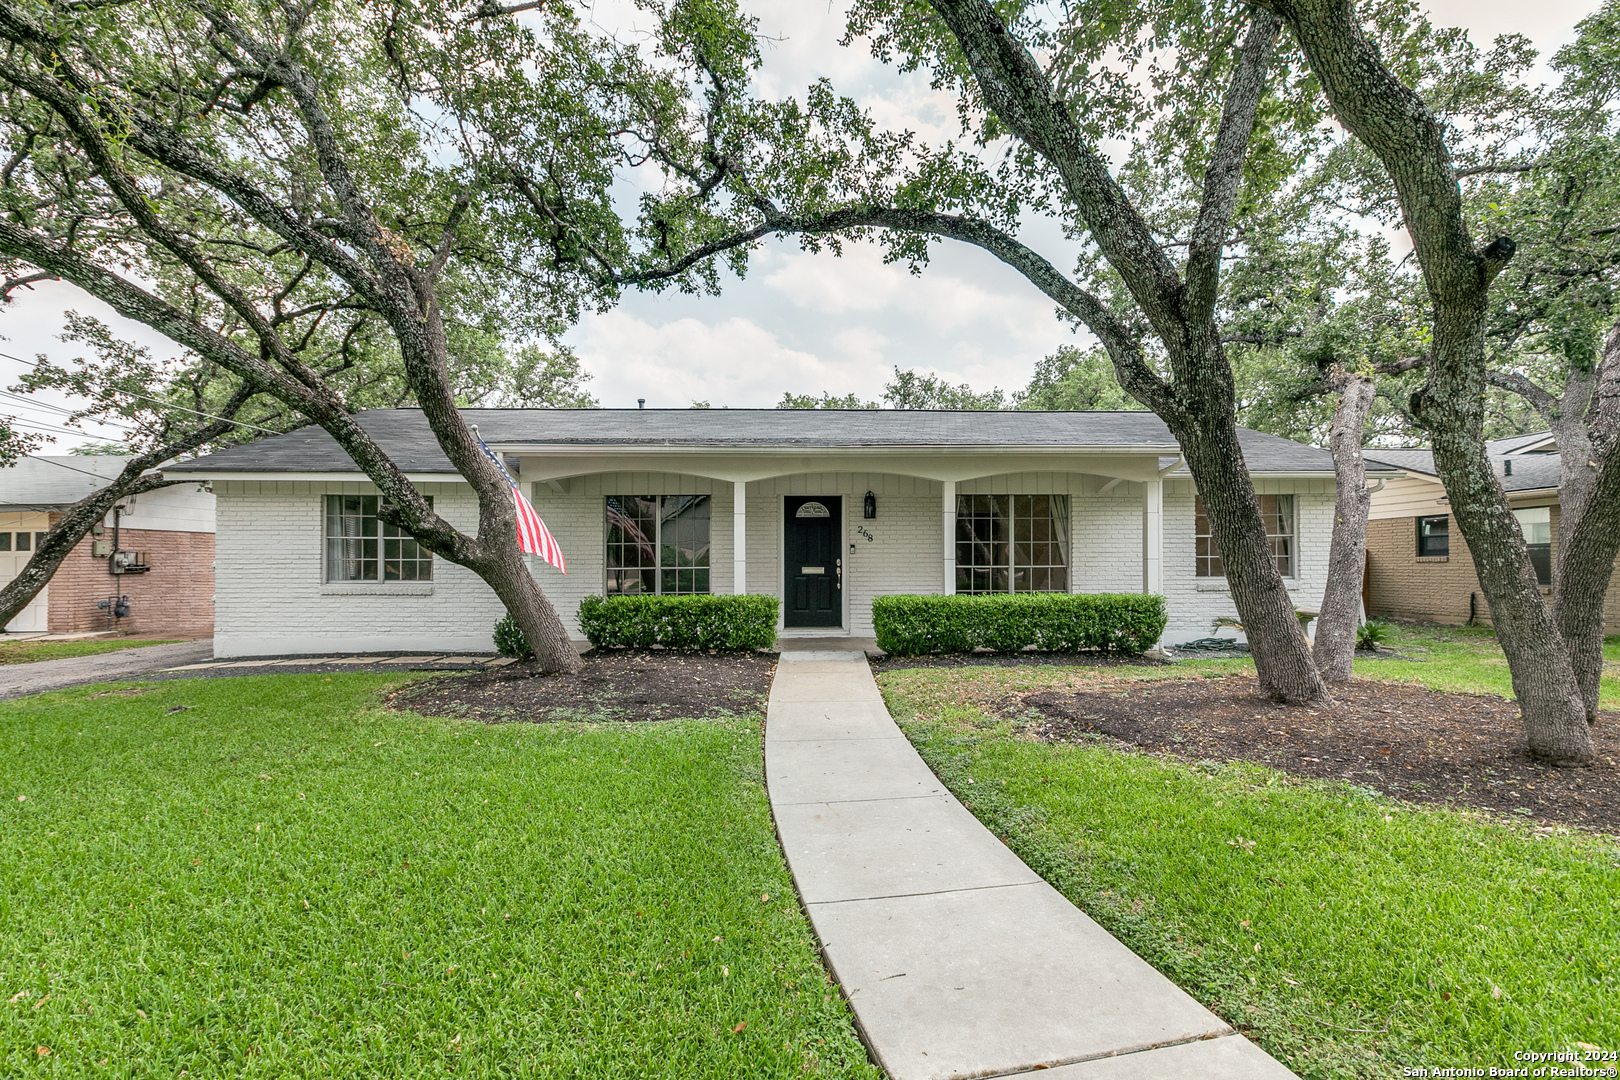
<point>1060,535</point>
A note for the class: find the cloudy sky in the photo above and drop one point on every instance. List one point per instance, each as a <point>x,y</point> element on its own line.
<point>800,322</point>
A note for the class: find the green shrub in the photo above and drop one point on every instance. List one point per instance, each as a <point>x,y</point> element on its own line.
<point>1371,634</point>
<point>679,622</point>
<point>510,640</point>
<point>1010,622</point>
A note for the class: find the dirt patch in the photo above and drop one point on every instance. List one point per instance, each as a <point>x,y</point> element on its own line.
<point>653,685</point>
<point>1403,740</point>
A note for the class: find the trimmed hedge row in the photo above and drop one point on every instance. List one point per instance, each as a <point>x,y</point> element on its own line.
<point>679,622</point>
<point>675,622</point>
<point>1010,622</point>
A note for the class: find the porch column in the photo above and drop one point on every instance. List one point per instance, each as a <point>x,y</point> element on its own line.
<point>949,507</point>
<point>1153,536</point>
<point>739,537</point>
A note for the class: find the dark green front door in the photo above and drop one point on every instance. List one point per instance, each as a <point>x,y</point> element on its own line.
<point>814,567</point>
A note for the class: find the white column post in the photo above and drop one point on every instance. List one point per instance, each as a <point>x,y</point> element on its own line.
<point>739,537</point>
<point>1153,536</point>
<point>949,507</point>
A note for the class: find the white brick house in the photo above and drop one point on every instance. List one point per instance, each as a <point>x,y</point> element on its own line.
<point>823,509</point>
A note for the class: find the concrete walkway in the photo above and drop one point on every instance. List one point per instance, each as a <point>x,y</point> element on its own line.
<point>17,680</point>
<point>958,959</point>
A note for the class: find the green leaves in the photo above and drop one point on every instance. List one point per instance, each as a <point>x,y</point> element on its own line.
<point>1011,622</point>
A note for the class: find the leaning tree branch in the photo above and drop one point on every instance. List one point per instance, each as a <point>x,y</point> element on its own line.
<point>1398,126</point>
<point>132,479</point>
<point>1223,178</point>
<point>321,406</point>
<point>1513,382</point>
<point>1016,88</point>
<point>1122,345</point>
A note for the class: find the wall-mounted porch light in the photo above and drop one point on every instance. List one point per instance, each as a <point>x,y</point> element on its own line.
<point>869,506</point>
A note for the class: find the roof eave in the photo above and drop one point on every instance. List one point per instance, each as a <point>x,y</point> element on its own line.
<point>539,449</point>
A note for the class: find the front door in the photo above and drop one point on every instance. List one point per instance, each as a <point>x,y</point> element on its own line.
<point>814,589</point>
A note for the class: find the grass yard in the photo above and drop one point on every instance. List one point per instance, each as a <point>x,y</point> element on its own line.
<point>26,652</point>
<point>1349,934</point>
<point>274,876</point>
<point>1463,658</point>
<point>1467,658</point>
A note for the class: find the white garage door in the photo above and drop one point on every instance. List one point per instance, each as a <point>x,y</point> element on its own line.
<point>32,619</point>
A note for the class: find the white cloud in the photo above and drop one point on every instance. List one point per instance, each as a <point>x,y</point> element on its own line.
<point>959,288</point>
<point>730,362</point>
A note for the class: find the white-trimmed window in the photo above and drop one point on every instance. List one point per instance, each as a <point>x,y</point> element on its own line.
<point>1536,524</point>
<point>360,546</point>
<point>657,544</point>
<point>1278,512</point>
<point>1012,543</point>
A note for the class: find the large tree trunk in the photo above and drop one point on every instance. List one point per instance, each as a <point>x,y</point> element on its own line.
<point>1397,125</point>
<point>507,573</point>
<point>1282,658</point>
<point>499,558</point>
<point>1451,407</point>
<point>1335,647</point>
<point>1588,518</point>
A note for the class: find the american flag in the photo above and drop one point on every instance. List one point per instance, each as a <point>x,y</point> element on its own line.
<point>533,536</point>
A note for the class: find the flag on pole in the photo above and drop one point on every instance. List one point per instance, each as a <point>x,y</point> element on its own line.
<point>533,536</point>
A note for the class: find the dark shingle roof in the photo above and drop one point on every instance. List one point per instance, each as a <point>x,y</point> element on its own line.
<point>1531,472</point>
<point>405,436</point>
<point>1407,458</point>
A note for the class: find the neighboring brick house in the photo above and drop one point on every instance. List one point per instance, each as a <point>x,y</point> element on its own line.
<point>166,538</point>
<point>1418,564</point>
<point>824,509</point>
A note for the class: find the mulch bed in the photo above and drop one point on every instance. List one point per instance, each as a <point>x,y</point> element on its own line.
<point>623,686</point>
<point>1018,659</point>
<point>1406,741</point>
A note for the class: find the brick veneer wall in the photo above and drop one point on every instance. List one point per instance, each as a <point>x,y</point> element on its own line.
<point>1402,586</point>
<point>175,597</point>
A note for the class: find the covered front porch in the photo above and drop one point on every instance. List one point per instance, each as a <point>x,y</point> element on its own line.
<point>826,534</point>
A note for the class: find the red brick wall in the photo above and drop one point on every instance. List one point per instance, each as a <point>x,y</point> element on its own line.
<point>175,597</point>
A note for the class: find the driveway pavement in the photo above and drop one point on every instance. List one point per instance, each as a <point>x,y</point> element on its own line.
<point>16,680</point>
<point>958,960</point>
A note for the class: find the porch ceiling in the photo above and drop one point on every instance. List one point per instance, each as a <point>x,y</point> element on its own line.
<point>938,464</point>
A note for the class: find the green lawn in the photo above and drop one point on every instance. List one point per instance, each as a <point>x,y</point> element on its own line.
<point>271,876</point>
<point>1467,658</point>
<point>1348,934</point>
<point>1462,658</point>
<point>26,652</point>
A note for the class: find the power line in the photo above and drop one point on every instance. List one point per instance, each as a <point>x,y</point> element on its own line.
<point>53,429</point>
<point>165,404</point>
<point>32,404</point>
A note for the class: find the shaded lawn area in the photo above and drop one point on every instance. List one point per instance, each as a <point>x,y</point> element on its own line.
<point>27,652</point>
<point>272,876</point>
<point>1467,658</point>
<point>1350,935</point>
<point>1461,658</point>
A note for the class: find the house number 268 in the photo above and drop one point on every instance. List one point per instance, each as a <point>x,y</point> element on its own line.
<point>862,530</point>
